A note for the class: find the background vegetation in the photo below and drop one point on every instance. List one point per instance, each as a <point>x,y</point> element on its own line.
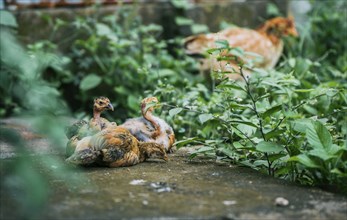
<point>289,122</point>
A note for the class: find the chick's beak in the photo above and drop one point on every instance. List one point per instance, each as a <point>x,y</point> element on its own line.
<point>110,106</point>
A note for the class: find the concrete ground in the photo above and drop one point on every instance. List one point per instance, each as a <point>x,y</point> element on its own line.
<point>178,189</point>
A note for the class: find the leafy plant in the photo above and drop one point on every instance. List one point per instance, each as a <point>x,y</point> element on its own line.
<point>325,161</point>
<point>289,122</point>
<point>118,57</point>
<point>269,122</point>
<point>39,104</point>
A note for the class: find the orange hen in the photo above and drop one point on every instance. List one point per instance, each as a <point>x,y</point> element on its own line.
<point>266,41</point>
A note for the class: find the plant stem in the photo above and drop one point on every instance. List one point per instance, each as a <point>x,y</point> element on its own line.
<point>304,102</point>
<point>258,116</point>
<point>279,123</point>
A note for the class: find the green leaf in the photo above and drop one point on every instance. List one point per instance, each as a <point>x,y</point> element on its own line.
<point>305,160</point>
<point>338,172</point>
<point>254,56</point>
<point>258,163</point>
<point>204,149</point>
<point>205,117</point>
<point>292,62</point>
<point>227,152</point>
<point>199,28</point>
<point>244,122</point>
<point>183,21</point>
<point>212,50</point>
<point>247,163</point>
<point>335,149</point>
<point>303,90</point>
<point>181,4</point>
<point>166,72</point>
<point>320,153</point>
<point>343,97</point>
<point>331,92</point>
<point>271,111</point>
<point>272,10</point>
<point>121,90</point>
<point>103,30</point>
<point>318,136</point>
<point>222,43</point>
<point>274,133</point>
<point>239,106</point>
<point>268,147</point>
<point>311,110</point>
<point>175,111</point>
<point>238,145</point>
<point>282,171</point>
<point>274,157</point>
<point>237,51</point>
<point>247,129</point>
<point>90,81</point>
<point>301,125</point>
<point>7,19</point>
<point>186,141</point>
<point>133,102</point>
<point>230,86</point>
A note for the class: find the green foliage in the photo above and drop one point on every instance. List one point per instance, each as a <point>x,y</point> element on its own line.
<point>183,21</point>
<point>36,102</point>
<point>269,123</point>
<point>117,57</point>
<point>89,82</point>
<point>328,26</point>
<point>289,122</point>
<point>7,19</point>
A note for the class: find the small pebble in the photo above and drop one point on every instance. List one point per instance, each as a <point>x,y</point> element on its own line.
<point>229,202</point>
<point>137,182</point>
<point>215,174</point>
<point>160,187</point>
<point>117,200</point>
<point>280,201</point>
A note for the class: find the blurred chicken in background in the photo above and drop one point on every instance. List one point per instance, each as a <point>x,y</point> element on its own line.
<point>266,41</point>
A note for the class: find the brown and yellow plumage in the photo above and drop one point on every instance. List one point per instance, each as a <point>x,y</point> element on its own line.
<point>82,129</point>
<point>115,147</point>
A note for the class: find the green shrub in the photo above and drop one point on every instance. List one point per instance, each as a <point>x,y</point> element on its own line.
<point>26,95</point>
<point>290,122</point>
<point>115,56</point>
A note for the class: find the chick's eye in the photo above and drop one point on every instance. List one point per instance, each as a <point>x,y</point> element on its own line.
<point>100,102</point>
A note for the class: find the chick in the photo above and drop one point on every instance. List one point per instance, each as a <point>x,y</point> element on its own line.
<point>150,128</point>
<point>82,129</point>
